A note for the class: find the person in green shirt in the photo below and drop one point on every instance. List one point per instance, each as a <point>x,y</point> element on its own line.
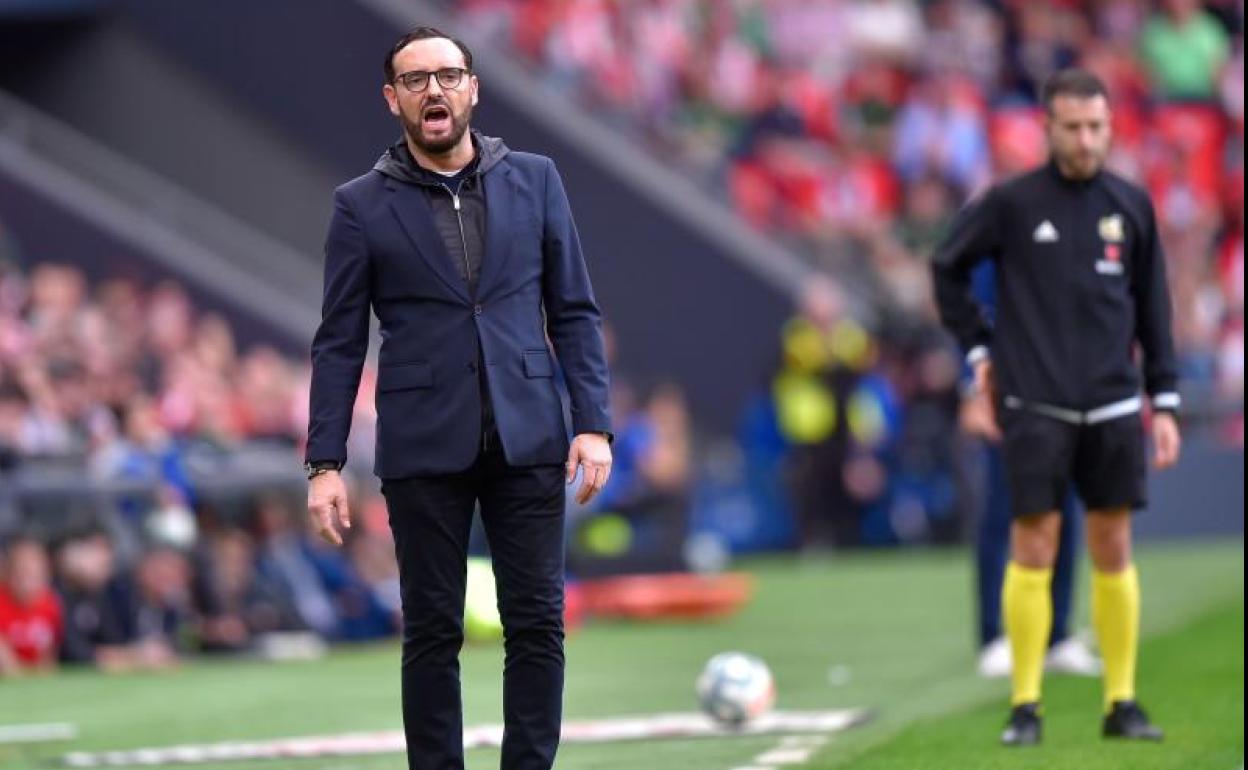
<point>1184,48</point>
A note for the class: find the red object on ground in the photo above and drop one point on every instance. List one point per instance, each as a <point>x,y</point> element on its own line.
<point>573,606</point>
<point>677,596</point>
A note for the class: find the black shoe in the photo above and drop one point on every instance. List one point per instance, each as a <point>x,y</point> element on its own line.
<point>1127,720</point>
<point>1023,729</point>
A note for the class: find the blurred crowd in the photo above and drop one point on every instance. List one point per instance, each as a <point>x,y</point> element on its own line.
<point>640,521</point>
<point>856,441</point>
<point>119,373</point>
<point>260,585</point>
<point>855,128</point>
<point>152,548</point>
<point>130,560</point>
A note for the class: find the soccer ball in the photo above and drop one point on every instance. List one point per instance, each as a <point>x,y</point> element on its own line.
<point>735,688</point>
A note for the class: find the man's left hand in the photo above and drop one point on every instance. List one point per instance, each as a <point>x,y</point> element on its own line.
<point>1166,440</point>
<point>592,452</point>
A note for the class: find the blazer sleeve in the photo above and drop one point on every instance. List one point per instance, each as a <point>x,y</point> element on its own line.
<point>341,340</point>
<point>1152,314</point>
<point>573,319</point>
<point>972,237</point>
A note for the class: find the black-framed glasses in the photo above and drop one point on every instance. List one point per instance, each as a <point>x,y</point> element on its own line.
<point>418,80</point>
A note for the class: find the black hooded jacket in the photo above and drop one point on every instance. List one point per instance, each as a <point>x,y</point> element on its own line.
<point>1081,278</point>
<point>459,216</point>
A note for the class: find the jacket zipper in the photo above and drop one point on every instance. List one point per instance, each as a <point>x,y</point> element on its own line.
<point>463,240</point>
<point>459,217</point>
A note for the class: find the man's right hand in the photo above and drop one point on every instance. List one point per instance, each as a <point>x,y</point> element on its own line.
<point>327,505</point>
<point>978,417</point>
<point>979,409</point>
<point>986,379</point>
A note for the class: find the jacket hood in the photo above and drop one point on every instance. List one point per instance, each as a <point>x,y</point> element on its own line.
<point>397,161</point>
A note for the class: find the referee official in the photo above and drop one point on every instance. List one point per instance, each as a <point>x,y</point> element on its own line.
<point>1081,279</point>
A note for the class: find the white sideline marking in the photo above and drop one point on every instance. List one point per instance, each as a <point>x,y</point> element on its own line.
<point>792,750</point>
<point>804,740</point>
<point>688,725</point>
<point>57,731</point>
<point>785,756</point>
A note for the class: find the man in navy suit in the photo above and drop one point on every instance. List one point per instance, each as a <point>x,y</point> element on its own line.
<point>468,255</point>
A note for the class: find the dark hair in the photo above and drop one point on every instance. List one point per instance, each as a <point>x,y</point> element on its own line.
<point>1072,82</point>
<point>20,540</point>
<point>11,391</point>
<point>423,33</point>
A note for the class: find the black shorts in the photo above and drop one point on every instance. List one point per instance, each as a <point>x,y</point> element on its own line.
<point>1106,461</point>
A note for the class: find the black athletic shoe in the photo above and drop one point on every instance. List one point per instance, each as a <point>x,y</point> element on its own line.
<point>1127,720</point>
<point>1023,729</point>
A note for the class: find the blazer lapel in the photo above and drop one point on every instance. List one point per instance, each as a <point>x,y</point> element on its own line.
<point>416,218</point>
<point>500,191</point>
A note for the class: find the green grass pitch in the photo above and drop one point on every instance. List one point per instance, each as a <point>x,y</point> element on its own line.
<point>892,631</point>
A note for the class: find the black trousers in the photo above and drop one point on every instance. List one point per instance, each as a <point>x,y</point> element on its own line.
<point>523,513</point>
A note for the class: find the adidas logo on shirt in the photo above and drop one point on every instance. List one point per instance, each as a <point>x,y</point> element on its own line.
<point>1045,233</point>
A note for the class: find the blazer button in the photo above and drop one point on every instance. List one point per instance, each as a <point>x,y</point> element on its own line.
<point>476,310</point>
<point>472,367</point>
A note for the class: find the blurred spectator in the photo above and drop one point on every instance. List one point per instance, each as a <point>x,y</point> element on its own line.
<point>371,550</point>
<point>898,254</point>
<point>321,583</point>
<point>266,412</point>
<point>102,610</point>
<point>1040,39</point>
<point>97,605</point>
<point>639,522</point>
<point>838,417</point>
<point>1184,48</point>
<point>891,29</point>
<point>144,451</point>
<point>31,622</point>
<point>285,559</point>
<point>163,614</point>
<point>925,503</point>
<point>239,604</point>
<point>940,132</point>
<point>13,422</point>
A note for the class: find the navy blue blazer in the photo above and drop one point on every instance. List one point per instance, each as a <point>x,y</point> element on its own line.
<point>383,251</point>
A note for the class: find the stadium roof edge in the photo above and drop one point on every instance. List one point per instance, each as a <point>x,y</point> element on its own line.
<point>202,244</point>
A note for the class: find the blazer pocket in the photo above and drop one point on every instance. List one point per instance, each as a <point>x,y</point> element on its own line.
<point>537,364</point>
<point>404,377</point>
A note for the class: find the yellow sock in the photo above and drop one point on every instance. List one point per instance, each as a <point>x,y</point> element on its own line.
<point>1116,617</point>
<point>1028,609</point>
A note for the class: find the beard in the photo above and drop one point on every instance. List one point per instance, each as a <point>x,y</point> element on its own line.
<point>1082,164</point>
<point>415,131</point>
<point>1086,166</point>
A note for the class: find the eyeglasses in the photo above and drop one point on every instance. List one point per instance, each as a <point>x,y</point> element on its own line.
<point>418,80</point>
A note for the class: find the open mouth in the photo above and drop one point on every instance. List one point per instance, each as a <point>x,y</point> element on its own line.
<point>436,118</point>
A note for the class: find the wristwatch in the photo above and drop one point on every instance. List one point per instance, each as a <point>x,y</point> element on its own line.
<point>315,468</point>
